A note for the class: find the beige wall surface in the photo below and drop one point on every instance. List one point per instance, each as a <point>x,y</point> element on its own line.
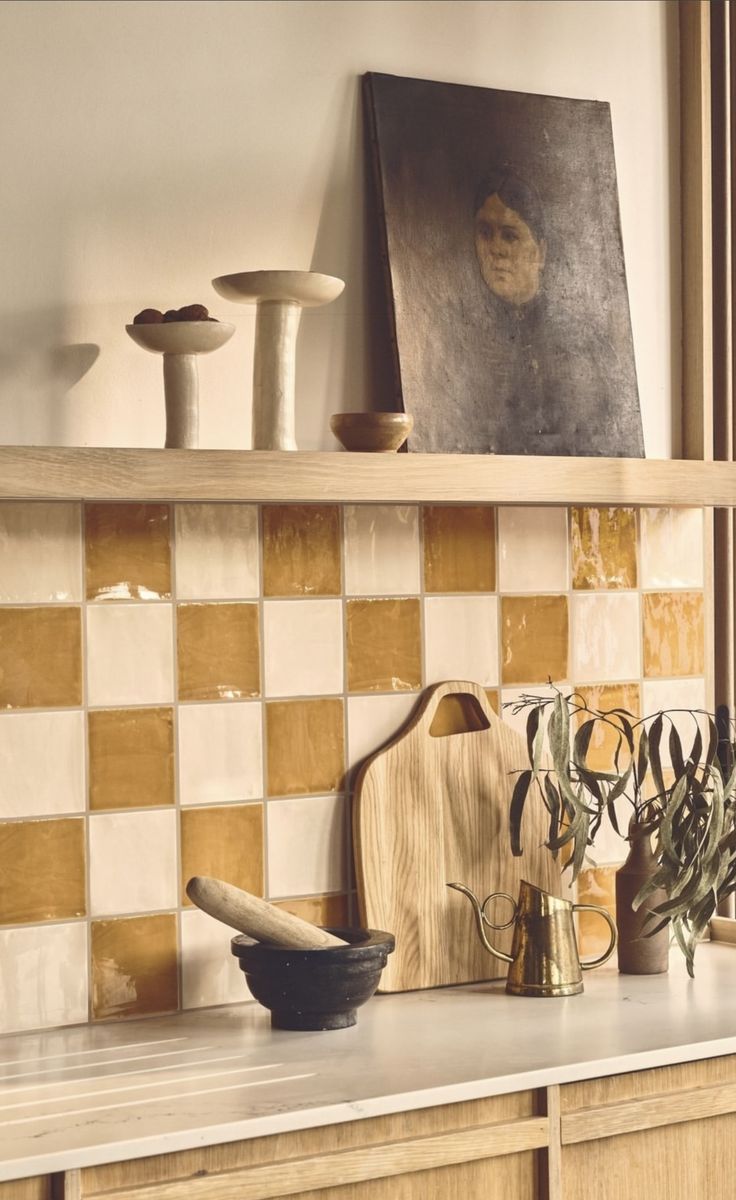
<point>149,146</point>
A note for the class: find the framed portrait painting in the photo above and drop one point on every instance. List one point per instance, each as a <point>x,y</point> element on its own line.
<point>505,267</point>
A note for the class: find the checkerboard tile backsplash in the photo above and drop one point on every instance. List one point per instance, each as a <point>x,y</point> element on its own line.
<point>188,689</point>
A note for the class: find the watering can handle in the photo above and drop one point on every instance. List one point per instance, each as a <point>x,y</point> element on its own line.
<point>598,962</point>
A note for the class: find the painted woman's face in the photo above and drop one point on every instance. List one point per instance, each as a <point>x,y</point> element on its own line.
<point>510,258</point>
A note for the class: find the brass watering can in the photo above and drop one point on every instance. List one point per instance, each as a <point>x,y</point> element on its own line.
<point>544,958</point>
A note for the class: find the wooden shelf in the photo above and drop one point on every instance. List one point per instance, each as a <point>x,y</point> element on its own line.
<point>44,473</point>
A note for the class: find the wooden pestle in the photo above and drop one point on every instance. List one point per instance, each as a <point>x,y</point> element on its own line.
<point>257,918</point>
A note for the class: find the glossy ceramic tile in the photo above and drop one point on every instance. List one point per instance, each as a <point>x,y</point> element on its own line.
<point>134,966</point>
<point>218,651</point>
<point>307,846</point>
<point>225,842</point>
<point>459,548</point>
<point>130,657</point>
<point>687,694</point>
<point>44,978</point>
<point>127,551</point>
<point>303,647</point>
<point>595,886</point>
<point>217,551</point>
<point>605,740</point>
<point>40,657</point>
<point>373,721</point>
<point>41,870</point>
<point>532,549</point>
<point>603,546</point>
<point>41,763</point>
<point>301,550</point>
<point>330,911</point>
<point>131,757</point>
<point>209,972</point>
<point>674,634</point>
<point>381,550</point>
<point>40,551</point>
<point>306,746</point>
<point>461,639</point>
<point>220,752</point>
<point>534,639</point>
<point>605,637</point>
<point>132,862</point>
<point>384,645</point>
<point>672,548</point>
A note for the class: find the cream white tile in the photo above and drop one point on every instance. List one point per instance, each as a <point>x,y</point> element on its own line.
<point>216,551</point>
<point>303,651</point>
<point>381,550</point>
<point>658,694</point>
<point>41,763</point>
<point>532,549</point>
<point>130,657</point>
<point>43,976</point>
<point>605,637</point>
<point>132,862</point>
<point>220,753</point>
<point>210,973</point>
<point>672,548</point>
<point>374,720</point>
<point>40,551</point>
<point>306,846</point>
<point>461,639</point>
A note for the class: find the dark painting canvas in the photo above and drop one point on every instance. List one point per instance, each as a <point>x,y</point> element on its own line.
<point>506,270</point>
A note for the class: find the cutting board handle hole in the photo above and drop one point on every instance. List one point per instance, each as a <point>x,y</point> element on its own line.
<point>458,713</point>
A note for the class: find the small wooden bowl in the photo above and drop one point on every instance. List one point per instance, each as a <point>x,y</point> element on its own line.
<point>381,432</point>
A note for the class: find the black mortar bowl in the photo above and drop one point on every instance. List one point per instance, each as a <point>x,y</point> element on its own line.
<point>315,989</point>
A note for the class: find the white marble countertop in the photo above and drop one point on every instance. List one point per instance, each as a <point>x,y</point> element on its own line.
<point>94,1094</point>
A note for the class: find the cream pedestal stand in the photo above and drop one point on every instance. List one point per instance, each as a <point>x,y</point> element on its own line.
<point>280,297</point>
<point>180,342</point>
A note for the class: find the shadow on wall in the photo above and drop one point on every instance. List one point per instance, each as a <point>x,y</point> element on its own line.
<point>36,374</point>
<point>345,348</point>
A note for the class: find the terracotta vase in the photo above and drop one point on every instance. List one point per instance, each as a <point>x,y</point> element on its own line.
<point>638,954</point>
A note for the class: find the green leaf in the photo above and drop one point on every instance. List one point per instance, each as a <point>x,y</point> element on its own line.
<point>516,811</point>
<point>655,738</point>
<point>678,762</point>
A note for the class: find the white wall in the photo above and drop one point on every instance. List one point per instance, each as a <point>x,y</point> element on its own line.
<point>148,146</point>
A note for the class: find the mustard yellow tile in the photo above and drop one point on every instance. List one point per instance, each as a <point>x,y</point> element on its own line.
<point>40,657</point>
<point>534,639</point>
<point>131,757</point>
<point>306,746</point>
<point>459,548</point>
<point>41,870</point>
<point>674,634</point>
<point>384,645</point>
<point>218,651</point>
<point>595,886</point>
<point>603,548</point>
<point>134,966</point>
<point>225,842</point>
<point>331,911</point>
<point>301,550</point>
<point>461,713</point>
<point>128,555</point>
<point>603,698</point>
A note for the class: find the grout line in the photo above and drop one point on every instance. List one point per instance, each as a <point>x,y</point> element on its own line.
<point>86,769</point>
<point>178,855</point>
<point>261,554</point>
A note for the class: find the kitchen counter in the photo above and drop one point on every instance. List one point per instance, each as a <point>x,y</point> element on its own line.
<point>88,1095</point>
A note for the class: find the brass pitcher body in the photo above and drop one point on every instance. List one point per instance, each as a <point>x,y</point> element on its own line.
<point>544,959</point>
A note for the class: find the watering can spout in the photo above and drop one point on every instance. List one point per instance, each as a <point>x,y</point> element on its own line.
<point>480,918</point>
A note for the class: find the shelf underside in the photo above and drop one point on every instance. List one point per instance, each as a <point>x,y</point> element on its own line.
<point>62,473</point>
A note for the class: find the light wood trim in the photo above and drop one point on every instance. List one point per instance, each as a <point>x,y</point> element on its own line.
<point>723,929</point>
<point>696,224</point>
<point>72,1185</point>
<point>37,1187</point>
<point>551,1182</point>
<point>610,1120</point>
<point>353,1166</point>
<point>59,473</point>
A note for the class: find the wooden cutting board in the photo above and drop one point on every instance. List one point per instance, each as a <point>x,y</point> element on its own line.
<point>432,810</point>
